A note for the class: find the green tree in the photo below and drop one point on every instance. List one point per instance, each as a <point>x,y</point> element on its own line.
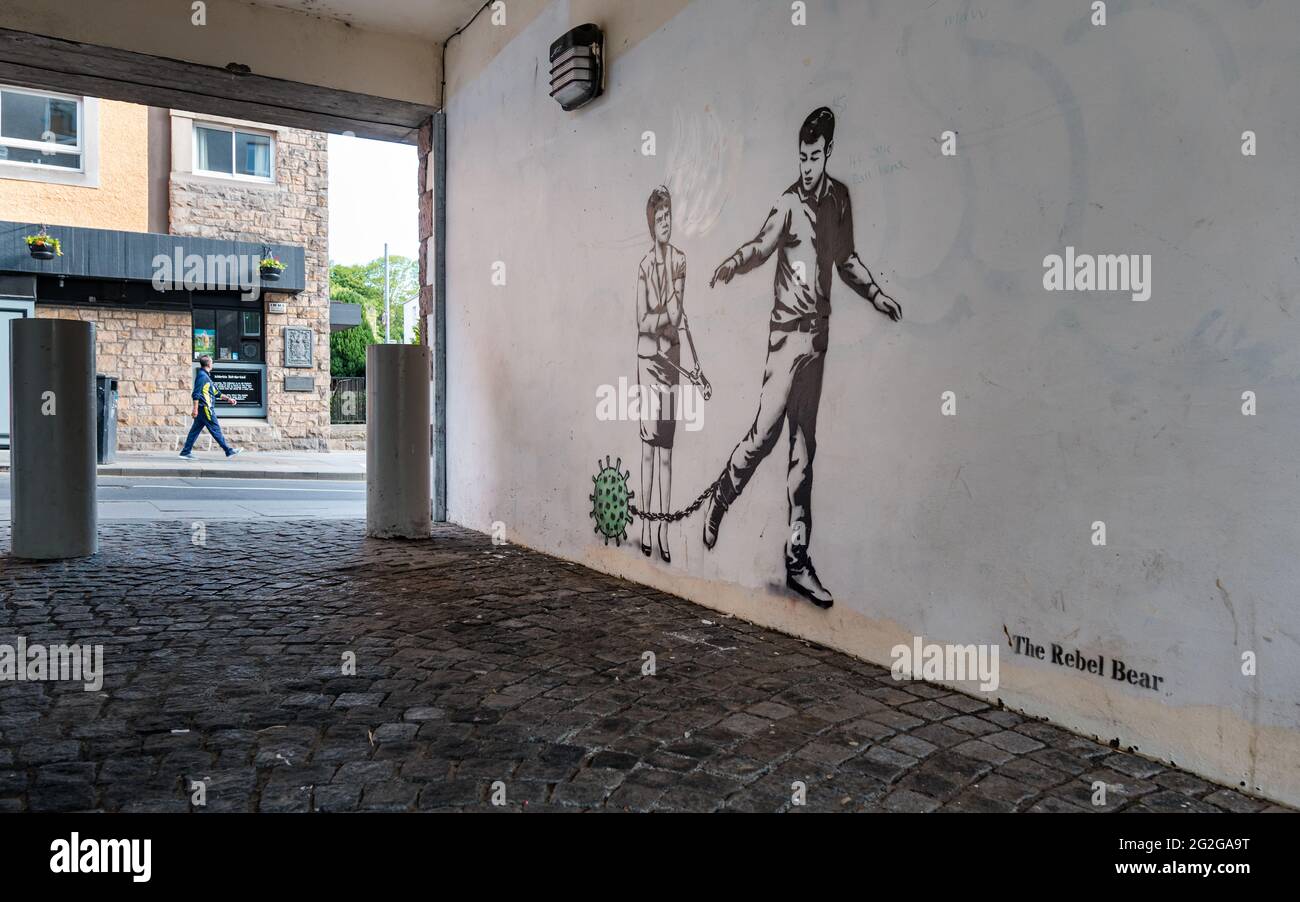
<point>367,281</point>
<point>348,349</point>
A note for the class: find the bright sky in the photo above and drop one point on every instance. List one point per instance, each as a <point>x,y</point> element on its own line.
<point>373,198</point>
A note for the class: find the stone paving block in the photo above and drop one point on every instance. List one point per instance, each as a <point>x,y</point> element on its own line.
<point>1060,760</point>
<point>588,789</point>
<point>700,792</point>
<point>1231,800</point>
<point>1055,805</point>
<point>909,801</point>
<point>770,710</point>
<point>910,744</point>
<point>970,723</point>
<point>1183,783</point>
<point>896,719</point>
<point>1011,741</point>
<point>1002,718</point>
<point>1121,790</point>
<point>391,795</point>
<point>884,764</point>
<point>1032,774</point>
<point>963,703</point>
<point>287,800</point>
<point>976,748</point>
<point>336,797</point>
<point>974,803</point>
<point>61,797</point>
<point>1004,789</point>
<point>1132,765</point>
<point>829,750</point>
<point>365,772</point>
<point>1170,801</point>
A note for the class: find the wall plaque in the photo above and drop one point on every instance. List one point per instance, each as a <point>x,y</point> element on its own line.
<point>297,346</point>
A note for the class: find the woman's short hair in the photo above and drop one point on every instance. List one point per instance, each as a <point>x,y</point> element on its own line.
<point>658,198</point>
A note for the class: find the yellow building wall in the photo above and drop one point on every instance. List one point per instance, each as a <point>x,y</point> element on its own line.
<point>122,199</point>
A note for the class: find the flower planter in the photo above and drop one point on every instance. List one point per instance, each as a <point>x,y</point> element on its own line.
<point>270,274</point>
<point>41,251</point>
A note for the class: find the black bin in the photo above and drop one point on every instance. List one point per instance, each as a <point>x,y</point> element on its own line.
<point>106,418</point>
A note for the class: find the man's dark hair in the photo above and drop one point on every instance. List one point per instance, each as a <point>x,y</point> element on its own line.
<point>819,124</point>
<point>658,198</point>
<point>205,361</point>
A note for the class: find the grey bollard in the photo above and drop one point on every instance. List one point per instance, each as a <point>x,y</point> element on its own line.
<point>397,442</point>
<point>52,445</point>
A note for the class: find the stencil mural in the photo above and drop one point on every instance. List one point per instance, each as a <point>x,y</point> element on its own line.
<point>660,320</point>
<point>810,232</point>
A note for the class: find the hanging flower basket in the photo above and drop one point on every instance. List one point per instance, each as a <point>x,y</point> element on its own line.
<point>43,246</point>
<point>270,269</point>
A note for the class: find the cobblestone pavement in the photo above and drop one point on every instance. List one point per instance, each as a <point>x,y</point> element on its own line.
<point>476,664</point>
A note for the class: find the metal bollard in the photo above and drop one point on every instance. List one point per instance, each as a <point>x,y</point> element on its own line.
<point>52,453</point>
<point>398,442</point>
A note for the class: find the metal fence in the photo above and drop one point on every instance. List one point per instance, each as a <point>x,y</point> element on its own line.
<point>348,400</point>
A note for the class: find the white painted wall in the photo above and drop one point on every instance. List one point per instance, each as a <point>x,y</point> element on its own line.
<point>1071,407</point>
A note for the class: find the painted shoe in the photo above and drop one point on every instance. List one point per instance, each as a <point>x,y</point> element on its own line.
<point>187,456</point>
<point>802,578</point>
<point>234,451</point>
<point>714,510</point>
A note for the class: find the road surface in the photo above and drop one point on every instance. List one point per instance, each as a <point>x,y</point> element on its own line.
<point>152,498</point>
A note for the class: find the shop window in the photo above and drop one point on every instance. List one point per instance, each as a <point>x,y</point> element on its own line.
<point>232,334</point>
<point>228,336</point>
<point>233,153</point>
<point>41,130</point>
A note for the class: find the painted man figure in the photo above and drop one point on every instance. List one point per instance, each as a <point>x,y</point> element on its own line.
<point>811,231</point>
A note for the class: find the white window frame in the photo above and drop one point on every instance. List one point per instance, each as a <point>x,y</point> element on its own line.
<point>87,174</point>
<point>233,175</point>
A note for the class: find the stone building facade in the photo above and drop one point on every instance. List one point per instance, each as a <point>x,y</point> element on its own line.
<point>149,352</point>
<point>208,187</point>
<point>293,210</point>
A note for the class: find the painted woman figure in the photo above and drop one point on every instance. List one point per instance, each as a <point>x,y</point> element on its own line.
<point>660,288</point>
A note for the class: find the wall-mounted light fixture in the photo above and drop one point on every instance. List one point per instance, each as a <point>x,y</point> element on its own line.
<point>578,66</point>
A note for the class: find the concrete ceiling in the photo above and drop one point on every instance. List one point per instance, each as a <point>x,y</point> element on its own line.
<point>433,20</point>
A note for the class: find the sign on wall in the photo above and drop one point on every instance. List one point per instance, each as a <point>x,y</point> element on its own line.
<point>244,385</point>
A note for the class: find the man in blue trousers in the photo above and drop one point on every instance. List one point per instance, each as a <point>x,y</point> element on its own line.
<point>205,397</point>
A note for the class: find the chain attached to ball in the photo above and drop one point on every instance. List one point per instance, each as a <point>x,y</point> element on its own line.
<point>612,507</point>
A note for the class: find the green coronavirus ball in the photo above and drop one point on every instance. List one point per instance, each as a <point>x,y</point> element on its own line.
<point>611,501</point>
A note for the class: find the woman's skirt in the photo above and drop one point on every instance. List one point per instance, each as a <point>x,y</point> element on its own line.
<point>658,384</point>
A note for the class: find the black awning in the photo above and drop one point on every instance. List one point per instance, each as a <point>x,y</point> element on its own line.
<point>138,257</point>
<point>344,316</point>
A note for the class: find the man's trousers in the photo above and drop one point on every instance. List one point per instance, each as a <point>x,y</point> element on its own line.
<point>792,389</point>
<point>206,419</point>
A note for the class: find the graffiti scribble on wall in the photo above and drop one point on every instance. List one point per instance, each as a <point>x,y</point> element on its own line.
<point>701,164</point>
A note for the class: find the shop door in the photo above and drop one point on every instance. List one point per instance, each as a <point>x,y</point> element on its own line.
<point>10,310</point>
